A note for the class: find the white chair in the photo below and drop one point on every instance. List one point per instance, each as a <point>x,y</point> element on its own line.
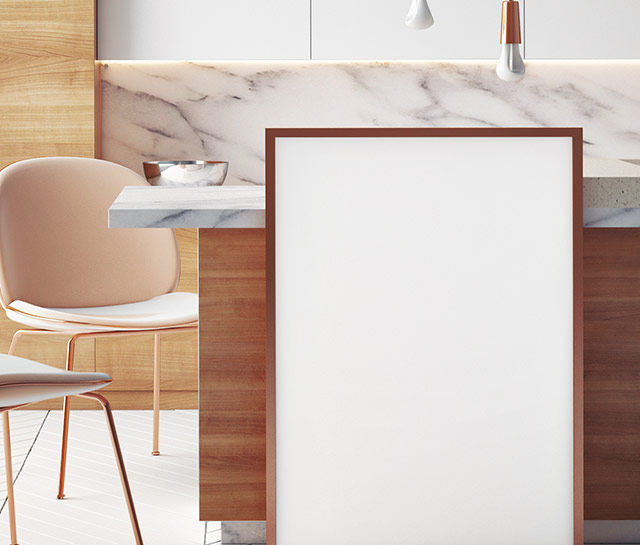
<point>63,271</point>
<point>23,382</point>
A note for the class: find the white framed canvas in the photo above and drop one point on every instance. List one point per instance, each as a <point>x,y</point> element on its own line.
<point>424,329</point>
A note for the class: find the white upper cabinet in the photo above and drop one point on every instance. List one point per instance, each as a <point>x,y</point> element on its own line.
<point>360,30</point>
<point>203,29</point>
<point>376,30</point>
<point>582,29</point>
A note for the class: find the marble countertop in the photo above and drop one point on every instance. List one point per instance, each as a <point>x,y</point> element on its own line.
<point>207,207</point>
<point>611,199</point>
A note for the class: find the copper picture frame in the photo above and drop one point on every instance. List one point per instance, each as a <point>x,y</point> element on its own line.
<point>575,134</point>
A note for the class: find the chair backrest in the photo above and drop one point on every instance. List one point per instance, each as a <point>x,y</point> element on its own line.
<point>56,249</point>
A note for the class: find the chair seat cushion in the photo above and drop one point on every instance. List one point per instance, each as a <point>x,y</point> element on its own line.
<point>169,310</point>
<point>24,381</point>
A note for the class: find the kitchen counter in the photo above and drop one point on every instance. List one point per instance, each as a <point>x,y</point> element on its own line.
<point>611,199</point>
<point>232,288</point>
<point>232,332</point>
<point>205,207</point>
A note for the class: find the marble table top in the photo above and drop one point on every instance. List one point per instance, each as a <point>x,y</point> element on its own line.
<point>611,199</point>
<point>207,207</point>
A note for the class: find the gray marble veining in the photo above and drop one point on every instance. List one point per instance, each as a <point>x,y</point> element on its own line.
<point>244,532</point>
<point>207,207</point>
<point>218,111</point>
<point>611,217</point>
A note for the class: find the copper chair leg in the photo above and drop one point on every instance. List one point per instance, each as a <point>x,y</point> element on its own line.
<point>9,471</point>
<point>120,461</point>
<point>70,351</point>
<point>156,395</point>
<point>8,463</point>
<point>65,421</point>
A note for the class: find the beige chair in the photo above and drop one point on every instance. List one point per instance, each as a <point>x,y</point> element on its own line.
<point>23,382</point>
<point>63,271</point>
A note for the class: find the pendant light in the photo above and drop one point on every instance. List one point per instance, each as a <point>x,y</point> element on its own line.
<point>510,66</point>
<point>419,16</point>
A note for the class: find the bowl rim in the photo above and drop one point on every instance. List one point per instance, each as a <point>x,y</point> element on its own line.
<point>185,162</point>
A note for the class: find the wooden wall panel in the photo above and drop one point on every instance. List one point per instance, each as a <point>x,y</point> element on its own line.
<point>134,400</point>
<point>180,351</point>
<point>232,374</point>
<point>48,28</point>
<point>49,97</point>
<point>129,360</point>
<point>612,373</point>
<point>47,108</point>
<point>47,63</point>
<point>188,243</point>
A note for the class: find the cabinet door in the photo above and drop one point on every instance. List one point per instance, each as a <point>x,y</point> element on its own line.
<point>376,30</point>
<point>582,29</point>
<point>203,29</point>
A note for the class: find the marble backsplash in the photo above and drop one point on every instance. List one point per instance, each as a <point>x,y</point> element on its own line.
<point>187,110</point>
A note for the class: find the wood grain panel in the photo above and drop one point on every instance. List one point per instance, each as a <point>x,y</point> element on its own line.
<point>47,108</point>
<point>232,374</point>
<point>129,360</point>
<point>188,244</point>
<point>49,95</point>
<point>48,28</point>
<point>47,66</point>
<point>612,373</point>
<point>18,74</point>
<point>129,400</point>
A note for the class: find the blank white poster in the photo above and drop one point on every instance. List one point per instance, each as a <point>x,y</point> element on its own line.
<point>424,341</point>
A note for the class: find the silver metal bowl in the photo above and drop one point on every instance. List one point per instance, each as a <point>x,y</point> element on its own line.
<point>185,173</point>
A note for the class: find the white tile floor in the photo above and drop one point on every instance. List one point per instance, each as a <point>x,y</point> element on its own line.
<point>165,488</point>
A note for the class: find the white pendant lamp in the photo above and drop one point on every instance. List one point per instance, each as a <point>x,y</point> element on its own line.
<point>510,66</point>
<point>419,16</point>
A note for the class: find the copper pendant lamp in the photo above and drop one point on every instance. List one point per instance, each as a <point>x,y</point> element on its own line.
<point>510,66</point>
